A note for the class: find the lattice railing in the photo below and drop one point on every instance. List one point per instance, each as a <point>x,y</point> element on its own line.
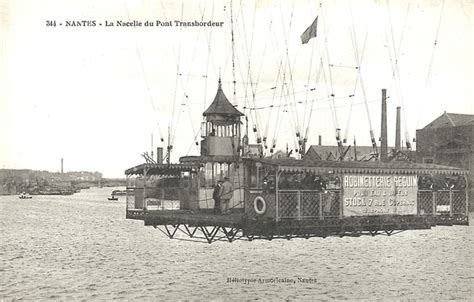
<point>441,202</point>
<point>303,204</point>
<point>459,202</point>
<point>306,204</point>
<point>425,202</point>
<point>331,204</point>
<point>288,205</point>
<point>130,199</point>
<point>310,204</point>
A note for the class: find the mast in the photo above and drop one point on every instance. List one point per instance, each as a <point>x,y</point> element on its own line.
<point>152,145</point>
<point>355,149</point>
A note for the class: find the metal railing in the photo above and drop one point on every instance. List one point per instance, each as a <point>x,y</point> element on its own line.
<point>452,202</point>
<point>308,204</point>
<point>167,198</point>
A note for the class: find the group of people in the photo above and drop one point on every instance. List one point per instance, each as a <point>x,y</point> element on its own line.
<point>222,195</point>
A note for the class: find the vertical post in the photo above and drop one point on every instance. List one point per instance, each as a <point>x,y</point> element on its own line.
<point>213,177</point>
<point>258,169</point>
<point>277,200</point>
<point>450,202</point>
<point>341,210</point>
<point>198,189</point>
<point>383,142</point>
<point>466,190</point>
<point>144,188</point>
<point>299,204</point>
<point>162,194</point>
<point>321,205</point>
<point>434,203</point>
<point>126,193</point>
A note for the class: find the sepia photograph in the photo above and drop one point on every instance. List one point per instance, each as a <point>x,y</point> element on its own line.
<point>230,150</point>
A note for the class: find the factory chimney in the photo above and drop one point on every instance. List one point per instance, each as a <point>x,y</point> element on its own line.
<point>398,144</point>
<point>62,162</point>
<point>159,155</point>
<point>383,143</point>
<point>320,141</point>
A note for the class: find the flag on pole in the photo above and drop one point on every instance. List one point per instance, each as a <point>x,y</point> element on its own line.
<point>310,32</point>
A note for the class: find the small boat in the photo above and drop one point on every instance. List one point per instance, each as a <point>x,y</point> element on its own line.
<point>112,198</point>
<point>25,196</point>
<point>119,192</point>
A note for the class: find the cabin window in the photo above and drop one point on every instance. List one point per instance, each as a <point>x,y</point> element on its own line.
<point>206,176</point>
<point>256,176</point>
<point>212,172</point>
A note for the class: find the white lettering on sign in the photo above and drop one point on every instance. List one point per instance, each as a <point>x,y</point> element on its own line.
<point>380,194</point>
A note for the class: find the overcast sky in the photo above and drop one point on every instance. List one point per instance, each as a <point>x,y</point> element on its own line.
<point>94,94</point>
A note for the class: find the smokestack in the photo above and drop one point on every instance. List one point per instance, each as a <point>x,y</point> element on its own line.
<point>383,142</point>
<point>320,140</point>
<point>159,155</point>
<point>398,144</point>
<point>62,162</point>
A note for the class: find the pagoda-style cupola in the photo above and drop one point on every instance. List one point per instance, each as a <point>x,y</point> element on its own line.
<point>221,127</point>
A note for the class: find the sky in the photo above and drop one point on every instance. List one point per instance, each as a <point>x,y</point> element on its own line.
<point>95,95</point>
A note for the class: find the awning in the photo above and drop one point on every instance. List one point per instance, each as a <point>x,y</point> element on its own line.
<point>162,169</point>
<point>320,166</point>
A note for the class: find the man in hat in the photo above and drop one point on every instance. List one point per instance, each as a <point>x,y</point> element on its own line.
<point>216,197</point>
<point>226,193</point>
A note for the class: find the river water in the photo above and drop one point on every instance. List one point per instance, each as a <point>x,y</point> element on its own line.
<point>81,247</point>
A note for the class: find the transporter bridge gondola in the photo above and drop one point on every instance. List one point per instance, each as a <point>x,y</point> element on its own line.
<point>289,198</point>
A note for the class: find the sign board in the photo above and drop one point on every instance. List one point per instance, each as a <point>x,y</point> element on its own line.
<point>366,195</point>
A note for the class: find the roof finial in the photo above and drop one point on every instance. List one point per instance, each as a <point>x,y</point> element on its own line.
<point>220,82</point>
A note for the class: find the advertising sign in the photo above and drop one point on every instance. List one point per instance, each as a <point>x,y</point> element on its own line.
<point>366,195</point>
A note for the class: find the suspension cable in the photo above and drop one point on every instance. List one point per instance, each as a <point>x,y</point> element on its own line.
<point>428,76</point>
<point>150,97</point>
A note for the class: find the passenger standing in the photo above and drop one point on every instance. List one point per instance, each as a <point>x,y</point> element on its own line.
<point>226,193</point>
<point>216,197</point>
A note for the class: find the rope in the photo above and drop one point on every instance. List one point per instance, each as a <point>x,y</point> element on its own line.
<point>294,116</point>
<point>208,55</point>
<point>336,123</point>
<point>313,100</point>
<point>395,68</point>
<point>359,76</point>
<point>358,60</point>
<point>185,96</point>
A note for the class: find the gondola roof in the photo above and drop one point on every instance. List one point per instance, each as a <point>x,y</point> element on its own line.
<point>221,105</point>
<point>162,169</point>
<point>322,166</point>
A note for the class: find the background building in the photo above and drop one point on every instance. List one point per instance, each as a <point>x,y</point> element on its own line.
<point>449,140</point>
